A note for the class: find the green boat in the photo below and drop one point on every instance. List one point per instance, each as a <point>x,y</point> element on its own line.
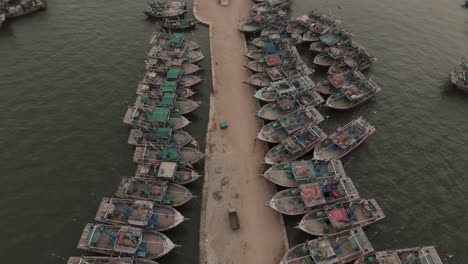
<point>152,154</point>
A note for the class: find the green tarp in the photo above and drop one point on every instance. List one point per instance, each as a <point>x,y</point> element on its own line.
<point>173,74</point>
<point>163,132</point>
<point>159,114</point>
<point>168,87</point>
<point>177,38</point>
<point>168,99</point>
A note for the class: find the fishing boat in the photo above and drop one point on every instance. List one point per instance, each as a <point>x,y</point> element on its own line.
<point>360,60</point>
<point>179,24</point>
<point>338,68</point>
<point>167,171</point>
<point>274,74</point>
<point>125,241</point>
<point>330,55</point>
<point>190,80</point>
<point>160,192</point>
<point>318,46</point>
<point>193,56</point>
<point>109,260</point>
<point>279,130</point>
<point>296,145</point>
<point>338,218</point>
<point>320,27</point>
<point>459,77</point>
<point>270,61</point>
<point>399,256</point>
<point>284,87</point>
<point>163,66</point>
<point>346,79</point>
<point>159,136</point>
<point>14,9</point>
<point>157,91</point>
<point>288,104</point>
<point>268,5</point>
<point>312,197</point>
<point>277,39</point>
<point>174,40</point>
<point>182,105</point>
<point>170,10</point>
<point>268,49</point>
<point>305,171</point>
<point>140,213</point>
<point>260,20</point>
<point>339,249</point>
<point>275,28</point>
<point>157,116</point>
<point>299,25</point>
<point>353,95</point>
<point>151,154</point>
<point>344,140</point>
<point>167,3</point>
<point>325,87</point>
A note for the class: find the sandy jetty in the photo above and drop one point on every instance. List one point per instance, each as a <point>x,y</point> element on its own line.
<point>234,158</point>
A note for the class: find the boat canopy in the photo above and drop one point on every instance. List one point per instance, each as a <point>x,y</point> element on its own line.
<point>173,74</point>
<point>177,38</point>
<point>166,170</point>
<point>168,86</point>
<point>163,132</point>
<point>169,153</point>
<point>159,114</point>
<point>168,99</point>
<point>270,47</point>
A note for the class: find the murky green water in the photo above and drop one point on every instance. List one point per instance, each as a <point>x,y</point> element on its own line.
<point>67,75</point>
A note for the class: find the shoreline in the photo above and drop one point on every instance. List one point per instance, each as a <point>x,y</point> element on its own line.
<point>207,214</point>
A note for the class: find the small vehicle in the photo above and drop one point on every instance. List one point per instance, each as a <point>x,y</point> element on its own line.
<point>233,219</point>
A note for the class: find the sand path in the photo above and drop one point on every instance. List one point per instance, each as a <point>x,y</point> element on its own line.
<point>234,158</point>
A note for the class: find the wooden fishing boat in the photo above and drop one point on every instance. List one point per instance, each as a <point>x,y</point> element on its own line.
<point>322,26</point>
<point>148,118</point>
<point>182,105</point>
<point>109,260</point>
<point>271,29</point>
<point>338,218</point>
<point>168,4</point>
<point>275,74</point>
<point>301,172</point>
<point>190,80</point>
<point>338,68</point>
<point>269,49</point>
<point>311,197</point>
<point>344,140</point>
<point>271,4</point>
<point>193,56</point>
<point>318,47</point>
<point>258,21</point>
<point>336,37</point>
<point>163,66</point>
<point>295,145</point>
<point>299,25</point>
<point>160,192</point>
<point>293,40</point>
<point>325,87</point>
<point>179,24</point>
<point>172,40</point>
<point>167,171</point>
<point>14,9</point>
<point>353,95</point>
<point>174,9</point>
<point>399,256</point>
<point>329,56</point>
<point>159,136</point>
<point>125,241</point>
<point>270,61</point>
<point>289,104</point>
<point>284,87</point>
<point>151,154</point>
<point>279,130</point>
<point>346,79</point>
<point>140,213</point>
<point>339,249</point>
<point>459,77</point>
<point>157,91</point>
<point>360,60</point>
